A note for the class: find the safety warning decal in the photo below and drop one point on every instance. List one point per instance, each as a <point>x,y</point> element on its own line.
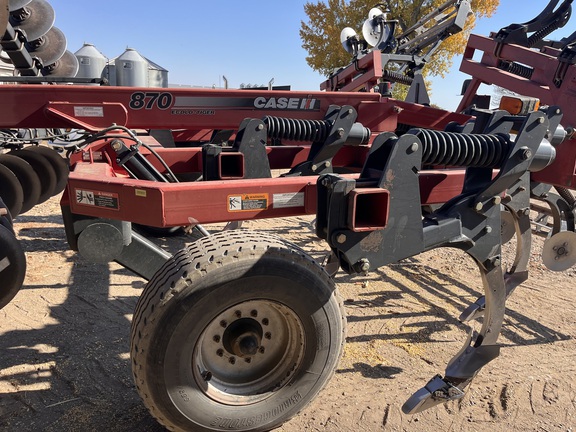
<point>97,199</point>
<point>247,202</point>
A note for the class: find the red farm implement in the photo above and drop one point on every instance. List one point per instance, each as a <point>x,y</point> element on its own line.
<point>241,330</point>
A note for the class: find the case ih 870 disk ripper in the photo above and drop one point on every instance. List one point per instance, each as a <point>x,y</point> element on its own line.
<point>241,330</point>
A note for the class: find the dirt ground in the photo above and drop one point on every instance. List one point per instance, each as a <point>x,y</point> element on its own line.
<point>65,343</point>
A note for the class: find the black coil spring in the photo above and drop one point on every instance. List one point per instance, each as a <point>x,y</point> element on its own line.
<point>462,150</point>
<point>397,77</point>
<point>542,33</point>
<point>567,195</point>
<point>517,69</point>
<point>296,129</point>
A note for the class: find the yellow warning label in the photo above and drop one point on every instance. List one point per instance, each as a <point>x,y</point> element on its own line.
<point>247,202</point>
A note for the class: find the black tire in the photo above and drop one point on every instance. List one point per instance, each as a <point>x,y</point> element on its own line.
<point>12,266</point>
<point>43,168</point>
<point>27,177</point>
<point>239,331</point>
<point>6,219</point>
<point>60,165</point>
<point>11,190</point>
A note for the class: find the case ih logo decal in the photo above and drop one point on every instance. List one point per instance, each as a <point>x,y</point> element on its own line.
<point>284,103</point>
<point>202,105</point>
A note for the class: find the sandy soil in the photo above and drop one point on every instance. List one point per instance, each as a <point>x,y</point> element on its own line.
<point>65,342</point>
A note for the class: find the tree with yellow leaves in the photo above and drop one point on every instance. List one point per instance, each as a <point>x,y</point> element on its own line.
<point>326,19</point>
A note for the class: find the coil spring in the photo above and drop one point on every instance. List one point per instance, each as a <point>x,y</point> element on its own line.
<point>397,77</point>
<point>542,33</point>
<point>517,69</point>
<point>462,150</point>
<point>567,195</point>
<point>296,129</point>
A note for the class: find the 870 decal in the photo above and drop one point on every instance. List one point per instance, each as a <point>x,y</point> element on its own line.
<point>150,100</point>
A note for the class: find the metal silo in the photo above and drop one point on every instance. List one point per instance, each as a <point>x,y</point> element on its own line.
<point>131,69</point>
<point>157,75</point>
<point>92,62</point>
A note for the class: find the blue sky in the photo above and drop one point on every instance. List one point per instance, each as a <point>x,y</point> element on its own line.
<point>250,41</point>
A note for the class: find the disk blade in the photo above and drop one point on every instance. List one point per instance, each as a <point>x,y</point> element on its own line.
<point>34,19</point>
<point>49,47</point>
<point>66,66</point>
<point>559,251</point>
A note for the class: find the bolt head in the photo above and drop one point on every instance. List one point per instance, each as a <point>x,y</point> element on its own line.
<point>341,238</point>
<point>525,153</point>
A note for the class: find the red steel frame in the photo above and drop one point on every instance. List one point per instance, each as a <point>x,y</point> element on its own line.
<point>562,172</point>
<point>97,107</point>
<point>195,113</point>
<point>177,204</point>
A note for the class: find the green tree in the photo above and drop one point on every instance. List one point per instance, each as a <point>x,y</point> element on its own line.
<point>326,19</point>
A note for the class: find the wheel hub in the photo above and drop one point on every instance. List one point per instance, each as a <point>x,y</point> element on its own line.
<point>243,337</point>
<point>247,351</point>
